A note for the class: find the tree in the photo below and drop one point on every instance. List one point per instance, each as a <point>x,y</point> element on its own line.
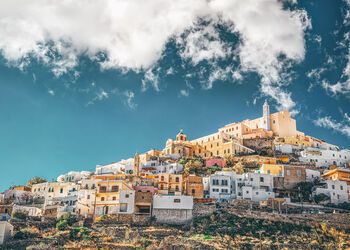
<point>305,190</point>
<point>321,198</point>
<point>36,180</point>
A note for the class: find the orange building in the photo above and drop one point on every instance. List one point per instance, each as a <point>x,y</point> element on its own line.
<point>338,174</point>
<point>170,184</point>
<point>194,186</point>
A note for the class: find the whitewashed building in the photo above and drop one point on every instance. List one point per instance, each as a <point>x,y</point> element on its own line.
<point>123,166</point>
<point>172,209</point>
<point>157,167</point>
<point>336,190</point>
<point>312,175</point>
<point>255,186</point>
<point>31,211</point>
<point>74,176</point>
<point>325,157</point>
<point>64,194</point>
<point>126,202</point>
<point>223,185</point>
<point>86,198</point>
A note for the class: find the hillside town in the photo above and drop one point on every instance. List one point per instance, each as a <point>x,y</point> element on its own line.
<point>264,164</point>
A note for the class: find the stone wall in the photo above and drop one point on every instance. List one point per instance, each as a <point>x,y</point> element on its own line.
<point>263,145</point>
<point>173,216</point>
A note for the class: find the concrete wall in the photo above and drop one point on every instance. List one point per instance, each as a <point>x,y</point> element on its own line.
<point>6,231</point>
<point>172,216</point>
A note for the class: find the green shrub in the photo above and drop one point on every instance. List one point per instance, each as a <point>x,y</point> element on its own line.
<point>19,215</point>
<point>79,233</point>
<point>65,221</point>
<point>62,225</point>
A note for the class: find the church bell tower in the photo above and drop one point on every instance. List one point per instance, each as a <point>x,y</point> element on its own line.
<point>266,116</point>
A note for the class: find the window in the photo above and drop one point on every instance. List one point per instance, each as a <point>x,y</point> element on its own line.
<point>333,187</point>
<point>288,172</point>
<point>103,189</point>
<point>115,188</point>
<point>215,190</point>
<point>114,198</point>
<point>88,197</point>
<point>177,200</point>
<point>176,188</point>
<point>341,187</point>
<point>215,182</point>
<point>177,179</point>
<point>225,191</point>
<point>162,178</point>
<point>224,182</point>
<point>261,179</point>
<point>268,171</point>
<point>102,198</point>
<point>217,152</point>
<point>123,207</point>
<point>298,172</point>
<point>193,191</point>
<point>127,196</point>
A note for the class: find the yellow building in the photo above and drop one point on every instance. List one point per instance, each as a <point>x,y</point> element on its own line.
<point>170,184</point>
<point>276,124</point>
<point>287,176</point>
<point>180,146</point>
<point>150,155</point>
<point>338,174</point>
<point>113,195</point>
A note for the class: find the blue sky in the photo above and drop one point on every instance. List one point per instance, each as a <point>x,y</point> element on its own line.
<point>87,84</point>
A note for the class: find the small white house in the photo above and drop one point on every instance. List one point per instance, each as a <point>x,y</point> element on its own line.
<point>312,175</point>
<point>336,190</point>
<point>172,209</point>
<point>6,231</point>
<point>223,185</point>
<point>29,210</point>
<point>255,186</point>
<point>73,176</point>
<point>86,198</point>
<point>126,202</point>
<point>257,195</point>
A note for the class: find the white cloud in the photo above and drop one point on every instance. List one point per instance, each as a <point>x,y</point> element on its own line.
<point>130,99</point>
<point>217,74</point>
<point>99,96</point>
<point>51,92</point>
<point>342,127</point>
<point>184,92</point>
<point>203,43</point>
<point>343,85</point>
<point>151,78</point>
<point>132,35</point>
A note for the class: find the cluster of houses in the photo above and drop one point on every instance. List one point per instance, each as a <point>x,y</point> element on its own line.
<point>156,185</point>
